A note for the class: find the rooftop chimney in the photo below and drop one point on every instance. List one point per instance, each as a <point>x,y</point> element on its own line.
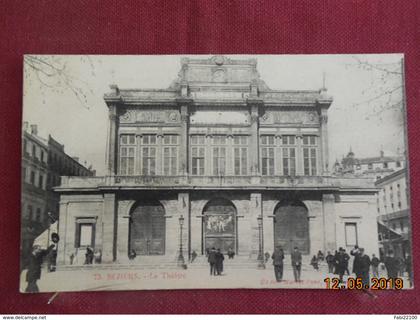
<point>25,126</point>
<point>34,129</point>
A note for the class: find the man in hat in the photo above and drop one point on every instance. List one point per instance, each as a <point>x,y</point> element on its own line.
<point>211,258</point>
<point>278,256</point>
<point>296,257</point>
<point>362,265</point>
<point>34,268</point>
<point>341,262</point>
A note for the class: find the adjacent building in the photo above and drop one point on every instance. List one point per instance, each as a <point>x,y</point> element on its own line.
<point>218,159</point>
<point>394,214</point>
<point>375,167</point>
<point>43,164</point>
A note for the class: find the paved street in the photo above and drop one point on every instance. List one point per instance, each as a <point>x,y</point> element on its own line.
<point>137,279</point>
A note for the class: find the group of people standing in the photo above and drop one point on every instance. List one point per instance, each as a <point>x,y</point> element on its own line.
<point>296,260</point>
<point>363,264</point>
<point>215,258</point>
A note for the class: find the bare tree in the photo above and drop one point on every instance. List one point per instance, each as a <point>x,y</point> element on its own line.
<point>52,73</point>
<point>385,94</point>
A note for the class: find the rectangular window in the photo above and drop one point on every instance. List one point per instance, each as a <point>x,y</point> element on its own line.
<point>148,153</point>
<point>267,155</point>
<point>170,154</point>
<point>38,215</point>
<point>85,234</point>
<point>41,181</point>
<point>42,156</point>
<point>351,234</point>
<point>289,155</point>
<point>30,213</point>
<point>219,155</point>
<point>34,151</point>
<point>24,174</point>
<point>240,155</point>
<point>127,154</point>
<point>309,155</point>
<point>197,154</point>
<point>32,178</point>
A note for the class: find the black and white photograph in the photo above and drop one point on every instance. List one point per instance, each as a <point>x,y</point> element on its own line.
<point>214,171</point>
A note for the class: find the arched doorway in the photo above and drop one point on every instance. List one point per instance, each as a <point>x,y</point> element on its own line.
<point>219,225</point>
<point>291,226</point>
<point>147,228</point>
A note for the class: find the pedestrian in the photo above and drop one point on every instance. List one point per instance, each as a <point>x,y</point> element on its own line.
<point>278,256</point>
<point>330,262</point>
<point>391,265</point>
<point>132,255</point>
<point>231,253</point>
<point>355,253</point>
<point>34,267</point>
<point>296,258</point>
<point>347,262</point>
<point>193,256</point>
<point>363,267</point>
<point>314,262</point>
<point>89,256</point>
<point>341,261</point>
<point>52,260</point>
<point>219,262</point>
<point>320,256</point>
<point>375,266</point>
<point>335,261</point>
<point>266,256</point>
<point>211,258</point>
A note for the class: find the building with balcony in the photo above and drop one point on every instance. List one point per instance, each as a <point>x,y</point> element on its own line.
<point>220,160</point>
<point>394,214</point>
<point>43,163</point>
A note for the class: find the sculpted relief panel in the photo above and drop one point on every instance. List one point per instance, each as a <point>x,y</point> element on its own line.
<point>289,116</point>
<point>150,116</point>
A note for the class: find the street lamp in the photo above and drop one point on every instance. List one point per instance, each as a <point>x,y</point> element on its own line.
<point>261,264</point>
<point>181,260</point>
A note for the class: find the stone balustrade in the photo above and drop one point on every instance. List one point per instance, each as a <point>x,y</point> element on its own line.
<point>218,182</point>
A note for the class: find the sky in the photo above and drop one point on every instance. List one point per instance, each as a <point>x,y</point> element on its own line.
<point>66,100</point>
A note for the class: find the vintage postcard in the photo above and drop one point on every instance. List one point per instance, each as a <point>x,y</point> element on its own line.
<point>214,171</point>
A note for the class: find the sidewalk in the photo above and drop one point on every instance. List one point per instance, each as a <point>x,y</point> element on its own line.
<point>132,279</point>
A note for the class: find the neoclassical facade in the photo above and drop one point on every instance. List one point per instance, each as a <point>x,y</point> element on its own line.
<point>216,160</point>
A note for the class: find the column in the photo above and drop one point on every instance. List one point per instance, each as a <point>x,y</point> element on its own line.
<point>323,119</point>
<point>109,228</point>
<point>112,140</point>
<point>254,143</point>
<point>299,155</point>
<point>183,143</point>
<point>268,228</point>
<point>62,231</point>
<point>255,210</point>
<point>329,220</point>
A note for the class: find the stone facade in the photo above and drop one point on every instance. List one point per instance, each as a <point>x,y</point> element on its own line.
<point>218,159</point>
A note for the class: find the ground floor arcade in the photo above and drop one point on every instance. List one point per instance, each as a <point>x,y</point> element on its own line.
<point>161,223</point>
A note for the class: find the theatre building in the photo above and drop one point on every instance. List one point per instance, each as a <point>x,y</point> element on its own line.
<point>220,160</point>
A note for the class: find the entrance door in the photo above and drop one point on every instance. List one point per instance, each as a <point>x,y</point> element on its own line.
<point>219,225</point>
<point>147,229</point>
<point>291,227</point>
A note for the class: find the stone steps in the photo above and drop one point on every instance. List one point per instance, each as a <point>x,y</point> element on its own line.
<point>164,262</point>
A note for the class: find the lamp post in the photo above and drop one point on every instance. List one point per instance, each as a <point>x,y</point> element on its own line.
<point>181,260</point>
<point>261,264</point>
